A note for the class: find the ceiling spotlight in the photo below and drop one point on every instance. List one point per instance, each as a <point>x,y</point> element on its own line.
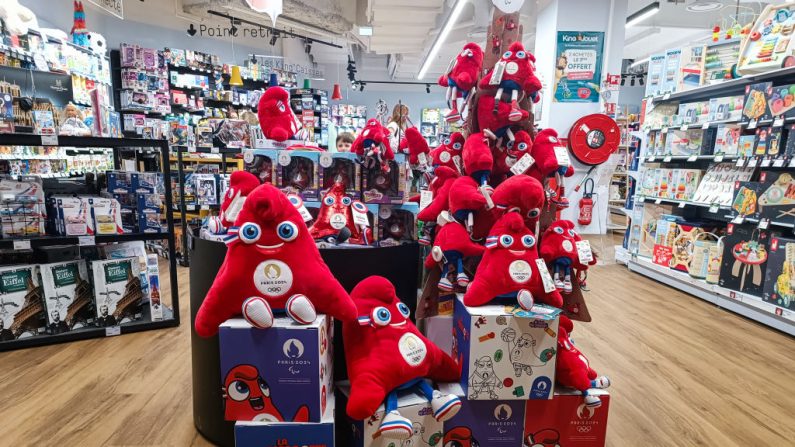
<point>253,59</point>
<point>632,81</point>
<point>308,45</point>
<point>233,28</point>
<point>623,80</point>
<point>361,86</point>
<point>641,81</point>
<point>705,6</point>
<point>643,14</point>
<point>427,88</point>
<point>274,36</point>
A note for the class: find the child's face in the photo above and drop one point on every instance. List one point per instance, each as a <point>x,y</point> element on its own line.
<point>343,146</point>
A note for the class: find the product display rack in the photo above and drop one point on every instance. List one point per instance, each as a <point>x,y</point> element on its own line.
<point>320,111</point>
<point>171,317</point>
<point>749,305</point>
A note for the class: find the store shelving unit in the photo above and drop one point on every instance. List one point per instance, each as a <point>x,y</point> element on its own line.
<point>745,304</point>
<point>171,317</point>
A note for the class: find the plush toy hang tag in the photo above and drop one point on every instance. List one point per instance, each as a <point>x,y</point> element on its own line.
<point>298,203</point>
<point>546,278</point>
<point>444,218</point>
<point>457,161</point>
<point>423,159</point>
<point>562,155</point>
<point>486,191</point>
<point>426,197</point>
<point>360,214</point>
<point>524,163</point>
<point>584,252</point>
<point>496,75</point>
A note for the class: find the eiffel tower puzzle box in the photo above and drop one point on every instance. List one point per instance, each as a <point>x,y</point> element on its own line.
<point>21,310</point>
<point>117,290</point>
<point>68,298</point>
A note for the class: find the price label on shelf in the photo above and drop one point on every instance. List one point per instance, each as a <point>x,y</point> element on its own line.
<point>718,158</point>
<point>667,158</point>
<point>682,204</point>
<point>666,96</point>
<point>740,162</point>
<point>23,244</point>
<point>205,208</point>
<point>664,130</point>
<point>778,122</point>
<point>752,162</point>
<point>658,201</point>
<point>215,150</point>
<point>765,162</point>
<point>778,163</point>
<point>764,223</point>
<point>791,163</point>
<point>738,220</point>
<point>86,241</point>
<point>49,140</point>
<point>685,126</point>
<point>693,157</point>
<point>112,331</point>
<point>651,159</point>
<point>190,207</point>
<point>752,124</point>
<point>714,208</point>
<point>705,125</point>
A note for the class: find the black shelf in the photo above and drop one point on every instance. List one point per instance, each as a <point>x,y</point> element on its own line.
<point>26,139</point>
<point>207,150</point>
<point>727,88</point>
<point>45,241</point>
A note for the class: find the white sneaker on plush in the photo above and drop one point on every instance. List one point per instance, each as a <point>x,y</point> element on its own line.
<point>444,406</point>
<point>592,401</point>
<point>395,426</point>
<point>257,312</point>
<point>462,279</point>
<point>601,382</point>
<point>300,309</point>
<point>525,299</point>
<point>445,285</point>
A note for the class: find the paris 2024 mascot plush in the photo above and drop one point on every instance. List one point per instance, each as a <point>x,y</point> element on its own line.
<point>276,118</point>
<point>514,73</point>
<point>386,353</point>
<point>559,248</point>
<point>573,369</point>
<point>461,78</point>
<point>509,267</point>
<point>449,153</point>
<point>450,247</point>
<point>271,263</point>
<point>372,145</point>
<point>336,215</point>
<point>241,183</point>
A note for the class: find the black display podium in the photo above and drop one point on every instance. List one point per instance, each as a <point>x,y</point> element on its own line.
<point>349,265</point>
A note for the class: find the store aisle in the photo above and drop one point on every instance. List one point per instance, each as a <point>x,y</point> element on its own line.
<point>684,373</point>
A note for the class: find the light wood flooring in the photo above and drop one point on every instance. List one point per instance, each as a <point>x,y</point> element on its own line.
<point>684,373</point>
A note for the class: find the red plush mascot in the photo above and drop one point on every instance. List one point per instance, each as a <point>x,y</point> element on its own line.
<point>372,144</point>
<point>466,200</point>
<point>449,153</point>
<point>517,75</point>
<point>559,248</point>
<point>519,193</point>
<point>271,264</point>
<point>276,118</point>
<point>573,369</point>
<point>509,267</point>
<point>477,157</point>
<point>247,398</point>
<point>496,126</point>
<point>461,78</point>
<point>547,164</point>
<point>335,215</point>
<point>513,151</point>
<point>418,149</point>
<point>440,188</point>
<point>385,353</point>
<point>450,247</point>
<point>241,183</point>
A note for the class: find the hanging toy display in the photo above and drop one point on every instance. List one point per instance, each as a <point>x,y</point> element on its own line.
<point>561,248</point>
<point>514,73</point>
<point>461,78</point>
<point>79,30</point>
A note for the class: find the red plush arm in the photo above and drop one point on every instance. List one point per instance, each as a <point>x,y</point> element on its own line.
<point>440,203</point>
<point>443,80</point>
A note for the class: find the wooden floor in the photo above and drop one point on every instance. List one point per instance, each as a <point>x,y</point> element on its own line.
<point>684,373</point>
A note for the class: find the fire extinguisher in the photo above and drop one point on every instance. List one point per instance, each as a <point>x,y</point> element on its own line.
<point>586,203</point>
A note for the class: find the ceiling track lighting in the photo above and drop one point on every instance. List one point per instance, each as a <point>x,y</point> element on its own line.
<point>440,39</point>
<point>643,14</point>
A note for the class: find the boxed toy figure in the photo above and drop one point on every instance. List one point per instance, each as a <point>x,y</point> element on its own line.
<point>755,103</point>
<point>206,189</point>
<point>411,403</point>
<point>73,216</point>
<point>283,434</point>
<point>744,259</point>
<point>68,298</point>
<point>564,421</point>
<point>397,224</point>
<point>282,374</point>
<point>105,215</point>
<point>119,182</point>
<point>746,196</point>
<point>386,187</point>
<point>727,140</point>
<point>262,163</point>
<point>664,240</point>
<point>777,198</point>
<point>727,108</point>
<point>780,273</point>
<point>482,422</point>
<point>296,173</point>
<point>340,168</point>
<point>149,213</point>
<point>21,309</point>
<point>506,353</point>
<point>117,291</point>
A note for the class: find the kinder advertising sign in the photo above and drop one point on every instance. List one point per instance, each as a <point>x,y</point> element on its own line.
<point>578,70</point>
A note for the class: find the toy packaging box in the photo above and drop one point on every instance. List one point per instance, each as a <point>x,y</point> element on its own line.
<point>386,187</point>
<point>206,189</point>
<point>72,216</point>
<point>673,59</point>
<point>717,185</point>
<point>690,142</point>
<point>132,249</point>
<point>281,374</point>
<point>655,77</point>
<point>397,224</point>
<point>342,168</point>
<point>484,422</point>
<point>6,113</point>
<point>664,240</point>
<point>412,404</point>
<point>746,146</point>
<point>262,163</point>
<point>287,434</point>
<point>755,103</point>
<point>745,252</point>
<point>105,215</point>
<point>297,173</point>
<point>777,199</point>
<point>780,273</point>
<point>727,139</point>
<point>782,100</point>
<point>68,298</point>
<point>693,112</point>
<point>727,108</point>
<point>652,213</point>
<point>117,291</point>
<point>565,421</point>
<point>775,144</point>
<point>690,71</point>
<point>439,330</point>
<point>21,309</point>
<point>149,213</point>
<point>746,196</point>
<point>506,353</point>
